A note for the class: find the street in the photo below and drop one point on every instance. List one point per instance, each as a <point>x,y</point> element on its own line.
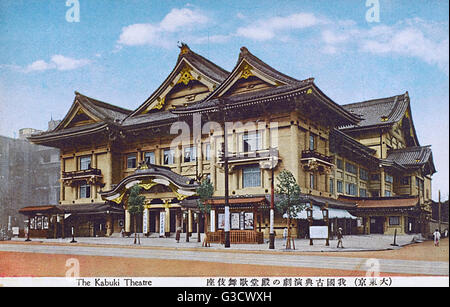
<point>50,260</point>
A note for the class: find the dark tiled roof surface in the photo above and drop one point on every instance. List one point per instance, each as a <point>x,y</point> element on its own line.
<point>378,112</point>
<point>245,97</point>
<point>410,156</point>
<point>207,67</point>
<point>103,110</point>
<point>265,68</point>
<point>149,118</point>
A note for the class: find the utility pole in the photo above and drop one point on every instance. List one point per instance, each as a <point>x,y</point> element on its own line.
<point>272,206</point>
<point>225,164</point>
<point>439,210</point>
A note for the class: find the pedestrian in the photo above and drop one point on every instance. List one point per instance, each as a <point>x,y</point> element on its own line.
<point>178,233</point>
<point>340,236</point>
<point>285,234</point>
<point>437,236</point>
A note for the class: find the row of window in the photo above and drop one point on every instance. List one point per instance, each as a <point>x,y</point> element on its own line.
<point>168,155</point>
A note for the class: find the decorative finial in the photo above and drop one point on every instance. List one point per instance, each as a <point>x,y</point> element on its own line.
<point>184,48</point>
<point>244,50</point>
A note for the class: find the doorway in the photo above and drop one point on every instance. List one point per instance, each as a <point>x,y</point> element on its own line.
<point>377,225</point>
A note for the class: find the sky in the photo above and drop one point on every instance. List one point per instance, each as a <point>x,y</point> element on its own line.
<point>120,51</point>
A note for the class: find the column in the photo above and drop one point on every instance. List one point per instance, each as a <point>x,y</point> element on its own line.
<point>295,156</point>
<point>213,161</point>
<point>190,221</point>
<point>61,184</point>
<point>199,148</point>
<point>127,221</point>
<point>157,222</point>
<point>212,220</point>
<point>108,171</point>
<point>382,183</point>
<point>178,158</point>
<point>167,223</point>
<point>146,221</point>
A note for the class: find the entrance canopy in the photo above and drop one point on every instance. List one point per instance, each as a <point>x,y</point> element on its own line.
<point>333,213</point>
<point>148,176</point>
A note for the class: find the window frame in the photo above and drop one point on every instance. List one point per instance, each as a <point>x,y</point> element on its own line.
<point>81,162</point>
<point>128,159</point>
<point>249,171</point>
<point>86,187</point>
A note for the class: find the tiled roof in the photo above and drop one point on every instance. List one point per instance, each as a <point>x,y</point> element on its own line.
<point>382,202</point>
<point>378,112</point>
<point>411,157</point>
<point>207,67</point>
<point>105,111</point>
<point>244,97</point>
<point>265,68</point>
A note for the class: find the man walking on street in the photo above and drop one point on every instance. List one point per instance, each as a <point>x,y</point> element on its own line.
<point>437,236</point>
<point>340,236</point>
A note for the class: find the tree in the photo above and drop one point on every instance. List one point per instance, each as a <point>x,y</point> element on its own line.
<point>289,201</point>
<point>204,192</point>
<point>135,205</point>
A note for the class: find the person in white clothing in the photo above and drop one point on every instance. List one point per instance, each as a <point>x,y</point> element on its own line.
<point>437,236</point>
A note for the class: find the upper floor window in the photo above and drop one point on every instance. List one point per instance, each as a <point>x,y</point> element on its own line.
<point>312,142</point>
<point>339,164</point>
<point>350,188</point>
<point>149,157</point>
<point>389,178</point>
<point>387,193</point>
<point>340,186</point>
<point>251,176</point>
<point>169,156</point>
<point>85,190</point>
<point>85,163</point>
<point>331,186</point>
<point>190,154</point>
<point>131,160</point>
<point>312,181</point>
<point>350,168</point>
<point>363,174</point>
<point>251,141</point>
<point>208,152</point>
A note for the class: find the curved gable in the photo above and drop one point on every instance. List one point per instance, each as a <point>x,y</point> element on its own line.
<point>191,80</point>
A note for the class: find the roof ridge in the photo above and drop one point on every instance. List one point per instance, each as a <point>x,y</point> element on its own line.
<point>104,104</point>
<point>371,101</point>
<point>246,54</point>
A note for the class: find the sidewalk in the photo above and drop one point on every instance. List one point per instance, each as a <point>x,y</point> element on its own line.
<point>351,243</point>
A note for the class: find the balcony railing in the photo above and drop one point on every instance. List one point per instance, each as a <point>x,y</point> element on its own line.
<point>92,175</point>
<point>313,154</point>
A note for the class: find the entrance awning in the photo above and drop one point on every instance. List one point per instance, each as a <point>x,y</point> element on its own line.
<point>91,209</point>
<point>40,210</point>
<point>333,213</point>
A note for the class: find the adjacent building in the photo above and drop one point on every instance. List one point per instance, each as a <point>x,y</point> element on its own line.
<point>29,174</point>
<point>362,161</point>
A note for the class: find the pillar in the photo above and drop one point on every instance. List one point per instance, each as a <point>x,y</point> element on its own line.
<point>167,222</point>
<point>212,220</point>
<point>295,155</point>
<point>190,221</point>
<point>127,221</point>
<point>382,183</point>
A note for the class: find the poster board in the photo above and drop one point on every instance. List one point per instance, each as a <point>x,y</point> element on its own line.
<point>318,232</point>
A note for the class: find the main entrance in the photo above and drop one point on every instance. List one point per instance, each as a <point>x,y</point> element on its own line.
<point>377,224</point>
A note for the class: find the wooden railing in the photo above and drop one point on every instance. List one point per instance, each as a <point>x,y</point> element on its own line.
<point>237,237</point>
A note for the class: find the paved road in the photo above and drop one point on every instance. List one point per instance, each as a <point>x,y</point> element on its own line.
<point>289,260</point>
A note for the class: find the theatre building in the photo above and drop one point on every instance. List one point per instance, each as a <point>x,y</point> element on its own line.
<point>362,161</point>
